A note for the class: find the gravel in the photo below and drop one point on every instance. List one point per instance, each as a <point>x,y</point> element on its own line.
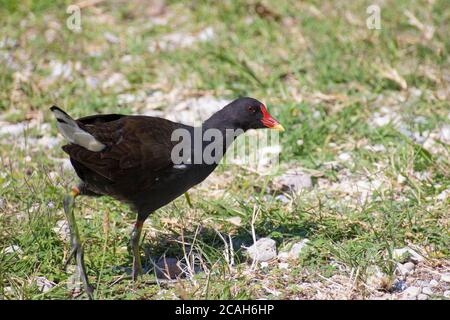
<point>405,254</point>
<point>294,181</point>
<point>62,230</point>
<point>14,249</point>
<point>422,296</point>
<point>427,291</point>
<point>177,40</point>
<point>411,292</point>
<point>406,268</point>
<point>263,250</point>
<point>43,284</point>
<point>433,283</point>
<point>445,277</point>
<point>294,251</point>
<point>399,286</point>
<point>13,129</point>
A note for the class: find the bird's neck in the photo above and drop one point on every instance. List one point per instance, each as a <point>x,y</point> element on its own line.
<point>218,133</point>
<point>220,121</point>
<point>227,126</point>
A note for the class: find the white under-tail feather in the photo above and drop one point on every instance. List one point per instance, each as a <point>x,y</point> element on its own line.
<point>72,132</point>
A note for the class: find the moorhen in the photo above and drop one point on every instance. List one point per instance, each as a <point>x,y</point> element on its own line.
<point>132,159</point>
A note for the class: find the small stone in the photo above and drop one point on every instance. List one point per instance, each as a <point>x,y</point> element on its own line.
<point>168,268</point>
<point>92,82</point>
<point>116,82</point>
<point>282,198</point>
<point>263,250</point>
<point>406,254</point>
<point>445,277</point>
<point>411,292</point>
<point>53,175</point>
<point>12,249</point>
<point>443,195</point>
<point>401,179</point>
<point>345,156</point>
<point>48,142</point>
<point>13,129</point>
<point>126,98</point>
<point>297,248</point>
<point>175,40</point>
<point>381,120</point>
<point>283,255</point>
<point>43,284</point>
<point>401,270</point>
<point>294,181</point>
<point>399,286</point>
<point>62,230</point>
<point>422,283</point>
<point>433,283</point>
<point>422,296</point>
<point>409,266</point>
<point>237,221</point>
<point>111,38</point>
<point>376,148</point>
<point>283,265</point>
<point>427,291</point>
<point>447,294</point>
<point>444,134</point>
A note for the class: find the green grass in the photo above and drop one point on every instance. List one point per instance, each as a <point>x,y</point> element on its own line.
<point>284,59</point>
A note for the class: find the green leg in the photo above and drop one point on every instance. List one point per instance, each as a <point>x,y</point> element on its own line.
<point>135,237</point>
<point>77,248</point>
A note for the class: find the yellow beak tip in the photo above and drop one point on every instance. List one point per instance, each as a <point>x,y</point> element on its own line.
<point>278,127</point>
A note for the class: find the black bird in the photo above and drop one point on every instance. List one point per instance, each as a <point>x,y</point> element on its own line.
<point>130,159</point>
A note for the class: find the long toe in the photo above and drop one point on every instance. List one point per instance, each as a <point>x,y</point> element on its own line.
<point>79,253</point>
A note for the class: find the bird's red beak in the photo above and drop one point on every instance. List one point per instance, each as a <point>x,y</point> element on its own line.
<point>269,121</point>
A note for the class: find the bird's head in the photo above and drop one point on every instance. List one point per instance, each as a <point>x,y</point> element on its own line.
<point>248,113</point>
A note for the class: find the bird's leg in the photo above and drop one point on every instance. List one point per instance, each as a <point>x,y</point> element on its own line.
<point>77,248</point>
<point>135,237</point>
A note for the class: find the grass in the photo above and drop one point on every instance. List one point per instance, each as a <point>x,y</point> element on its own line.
<point>322,74</point>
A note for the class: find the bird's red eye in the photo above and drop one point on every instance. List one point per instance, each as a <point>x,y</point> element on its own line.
<point>251,109</point>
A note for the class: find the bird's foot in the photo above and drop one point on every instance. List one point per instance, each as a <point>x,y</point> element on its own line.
<point>137,269</point>
<point>77,252</point>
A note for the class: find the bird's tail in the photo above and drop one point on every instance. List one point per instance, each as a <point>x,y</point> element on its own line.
<point>70,129</point>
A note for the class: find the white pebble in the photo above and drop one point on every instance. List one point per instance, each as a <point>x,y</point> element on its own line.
<point>263,250</point>
<point>411,292</point>
<point>445,277</point>
<point>283,265</point>
<point>427,291</point>
<point>345,156</point>
<point>433,283</point>
<point>12,249</point>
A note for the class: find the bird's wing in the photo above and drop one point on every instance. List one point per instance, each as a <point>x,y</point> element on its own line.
<point>133,144</point>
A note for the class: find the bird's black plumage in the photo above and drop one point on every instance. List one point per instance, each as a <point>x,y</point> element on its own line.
<point>136,165</point>
<point>132,157</point>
